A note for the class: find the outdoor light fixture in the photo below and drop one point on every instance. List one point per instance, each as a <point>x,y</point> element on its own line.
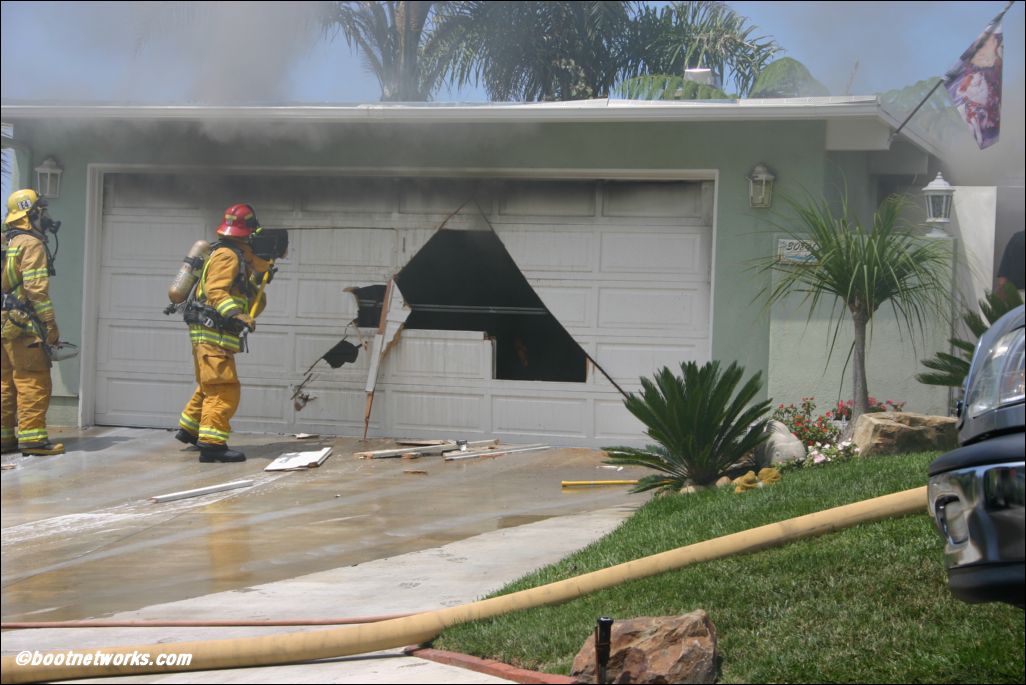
<point>760,187</point>
<point>938,206</point>
<point>48,178</point>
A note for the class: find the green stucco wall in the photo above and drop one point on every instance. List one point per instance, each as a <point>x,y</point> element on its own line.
<point>741,324</point>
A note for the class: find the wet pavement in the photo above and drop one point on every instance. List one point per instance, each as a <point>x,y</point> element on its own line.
<point>81,539</point>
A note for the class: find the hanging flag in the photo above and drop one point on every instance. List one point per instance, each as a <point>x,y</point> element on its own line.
<point>974,84</point>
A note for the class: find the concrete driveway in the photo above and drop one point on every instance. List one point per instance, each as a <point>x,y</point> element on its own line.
<point>354,537</point>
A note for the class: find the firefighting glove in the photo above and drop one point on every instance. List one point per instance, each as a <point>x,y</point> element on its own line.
<point>245,321</point>
<point>52,334</point>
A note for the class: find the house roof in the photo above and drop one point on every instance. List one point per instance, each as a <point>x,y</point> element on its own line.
<point>834,108</point>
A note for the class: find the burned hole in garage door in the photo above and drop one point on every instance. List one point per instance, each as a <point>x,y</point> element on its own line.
<point>465,280</point>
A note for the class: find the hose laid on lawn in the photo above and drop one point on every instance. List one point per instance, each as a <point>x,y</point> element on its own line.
<point>419,628</point>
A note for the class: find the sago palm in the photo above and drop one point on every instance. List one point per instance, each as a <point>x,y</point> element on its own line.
<point>701,421</point>
<point>860,270</point>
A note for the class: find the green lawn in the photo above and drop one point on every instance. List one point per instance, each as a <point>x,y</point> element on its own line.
<point>869,604</point>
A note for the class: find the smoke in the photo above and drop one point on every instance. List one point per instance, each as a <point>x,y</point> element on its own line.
<point>215,53</point>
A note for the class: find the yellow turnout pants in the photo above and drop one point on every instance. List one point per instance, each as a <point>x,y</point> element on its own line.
<point>208,413</point>
<point>25,388</point>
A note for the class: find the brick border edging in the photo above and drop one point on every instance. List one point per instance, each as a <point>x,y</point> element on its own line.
<point>488,666</point>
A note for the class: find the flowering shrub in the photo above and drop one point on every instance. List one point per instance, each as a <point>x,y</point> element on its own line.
<point>821,453</point>
<point>842,411</point>
<point>799,420</point>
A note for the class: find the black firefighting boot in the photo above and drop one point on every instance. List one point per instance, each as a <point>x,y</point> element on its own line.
<point>42,449</point>
<point>9,447</point>
<point>185,436</point>
<point>211,452</point>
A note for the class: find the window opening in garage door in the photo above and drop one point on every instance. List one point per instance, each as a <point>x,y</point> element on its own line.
<point>465,280</point>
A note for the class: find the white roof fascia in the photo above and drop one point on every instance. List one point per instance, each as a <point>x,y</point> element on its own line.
<point>599,110</point>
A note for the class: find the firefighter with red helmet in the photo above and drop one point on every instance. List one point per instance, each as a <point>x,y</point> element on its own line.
<point>219,317</point>
<point>28,326</point>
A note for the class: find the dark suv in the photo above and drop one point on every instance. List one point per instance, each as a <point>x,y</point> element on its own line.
<point>976,491</point>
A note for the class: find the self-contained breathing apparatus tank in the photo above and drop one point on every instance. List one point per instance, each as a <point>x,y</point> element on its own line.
<point>189,272</point>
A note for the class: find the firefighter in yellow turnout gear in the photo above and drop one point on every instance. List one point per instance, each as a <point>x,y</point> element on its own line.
<point>219,319</point>
<point>27,326</point>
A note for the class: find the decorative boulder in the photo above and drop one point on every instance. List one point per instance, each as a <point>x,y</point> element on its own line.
<point>781,446</point>
<point>655,649</point>
<point>897,432</point>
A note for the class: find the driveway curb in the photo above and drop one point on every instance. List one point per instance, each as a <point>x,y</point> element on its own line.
<point>488,667</point>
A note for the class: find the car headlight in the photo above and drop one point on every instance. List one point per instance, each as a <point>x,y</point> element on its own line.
<point>1000,378</point>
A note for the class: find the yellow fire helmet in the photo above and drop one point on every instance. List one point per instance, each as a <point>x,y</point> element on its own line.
<point>21,203</point>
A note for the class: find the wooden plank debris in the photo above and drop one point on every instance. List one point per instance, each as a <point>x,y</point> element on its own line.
<point>298,461</point>
<point>426,450</point>
<point>457,455</point>
<point>202,491</point>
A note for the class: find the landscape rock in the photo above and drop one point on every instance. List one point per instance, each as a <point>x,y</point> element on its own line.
<point>899,432</point>
<point>655,649</point>
<point>781,446</point>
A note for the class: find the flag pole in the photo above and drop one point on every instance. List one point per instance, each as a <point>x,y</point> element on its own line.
<point>992,25</point>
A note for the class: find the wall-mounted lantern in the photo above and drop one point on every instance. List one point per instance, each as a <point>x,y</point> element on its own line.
<point>760,187</point>
<point>48,178</point>
<point>938,196</point>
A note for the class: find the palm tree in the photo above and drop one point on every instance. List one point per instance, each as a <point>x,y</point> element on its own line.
<point>533,50</point>
<point>862,270</point>
<point>389,35</point>
<point>688,35</point>
<point>702,422</point>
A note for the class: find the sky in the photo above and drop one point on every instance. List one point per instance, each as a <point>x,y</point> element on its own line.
<point>276,53</point>
<point>273,53</point>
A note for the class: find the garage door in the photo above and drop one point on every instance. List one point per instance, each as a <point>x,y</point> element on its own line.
<point>624,266</point>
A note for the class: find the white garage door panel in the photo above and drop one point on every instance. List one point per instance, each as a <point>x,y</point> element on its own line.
<point>141,400</point>
<point>159,349</point>
<point>325,300</point>
<point>265,358</point>
<point>348,247</point>
<point>166,242</point>
<point>533,415</point>
<point>678,254</point>
<point>334,408</point>
<point>543,251</point>
<point>312,343</point>
<point>435,411</point>
<point>570,305</point>
<point>654,308</point>
<point>624,266</point>
<point>263,404</point>
<point>650,200</point>
<point>628,362</point>
<point>615,425</point>
<point>547,199</point>
<point>134,295</point>
<point>448,358</point>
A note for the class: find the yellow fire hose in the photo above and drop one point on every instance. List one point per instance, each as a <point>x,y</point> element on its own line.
<point>419,628</point>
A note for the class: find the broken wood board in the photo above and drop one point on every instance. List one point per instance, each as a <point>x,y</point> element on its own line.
<point>477,454</point>
<point>422,443</point>
<point>446,446</point>
<point>298,461</point>
<point>201,491</point>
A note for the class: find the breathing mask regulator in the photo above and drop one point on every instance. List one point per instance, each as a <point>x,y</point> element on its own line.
<point>41,220</point>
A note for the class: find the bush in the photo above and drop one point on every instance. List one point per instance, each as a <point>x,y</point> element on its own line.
<point>842,412</point>
<point>702,426</point>
<point>799,420</point>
